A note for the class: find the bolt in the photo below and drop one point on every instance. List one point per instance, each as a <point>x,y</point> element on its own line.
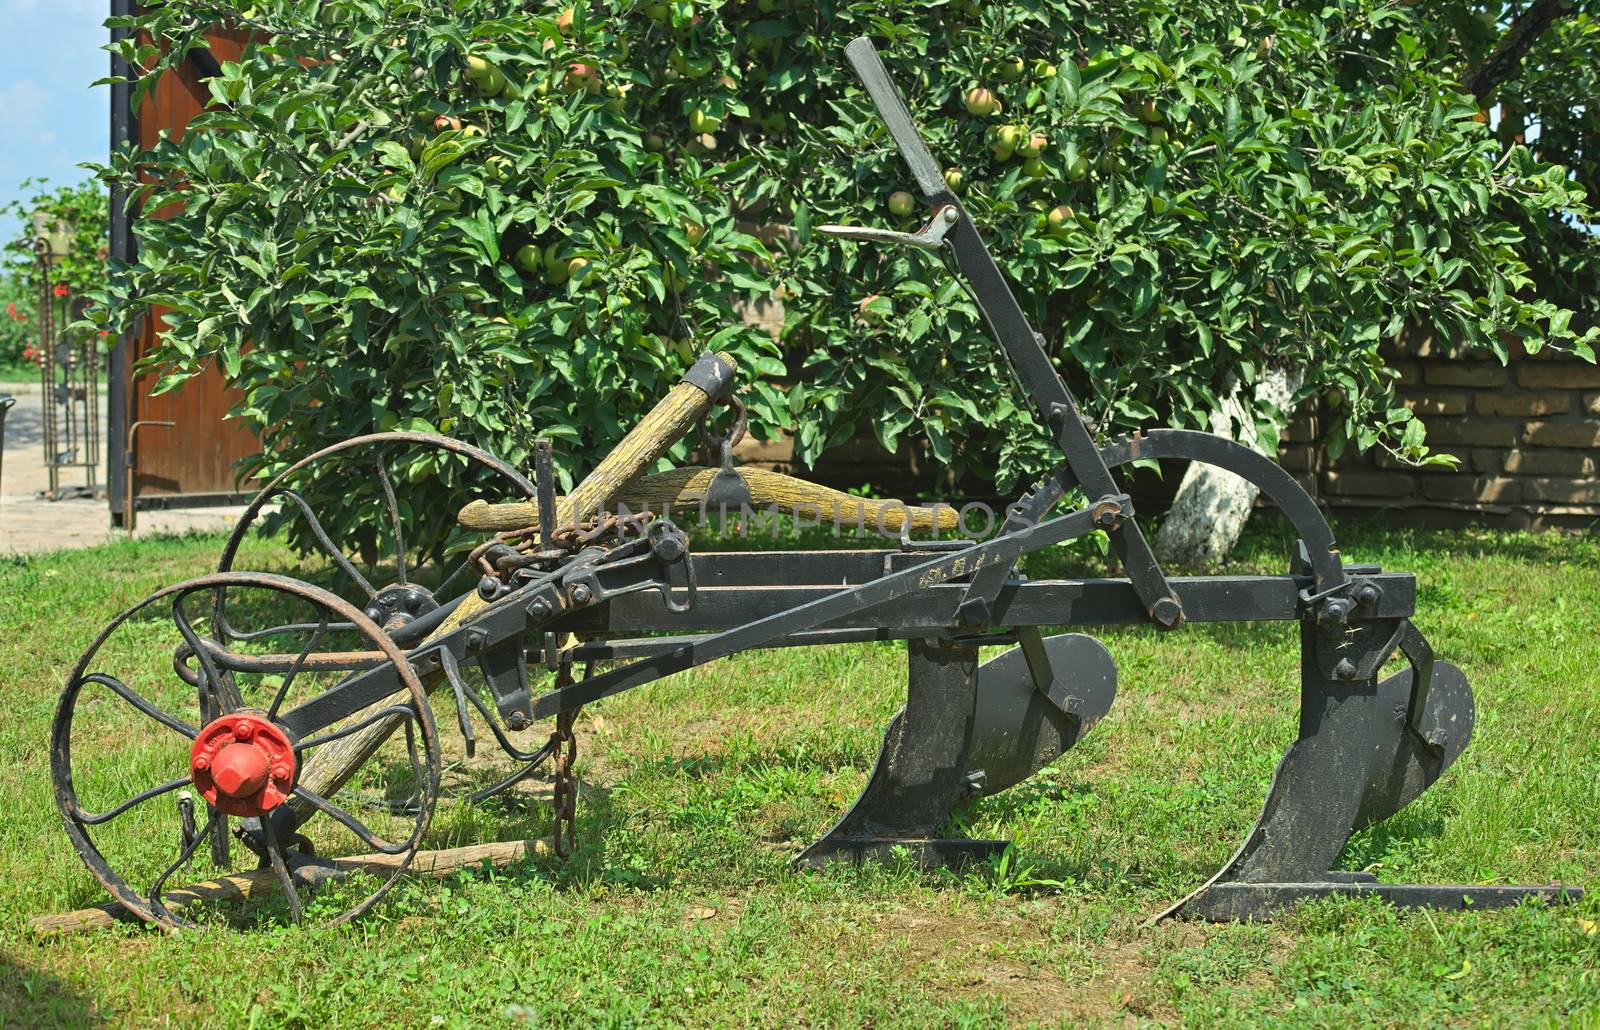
<point>517,721</point>
<point>202,762</point>
<point>242,730</point>
<point>1345,670</point>
<point>1335,612</point>
<point>477,638</point>
<point>1368,595</point>
<point>950,216</point>
<point>539,608</point>
<point>281,771</point>
<point>1107,514</point>
<point>1167,612</point>
<point>488,588</point>
<point>580,594</point>
<point>376,613</point>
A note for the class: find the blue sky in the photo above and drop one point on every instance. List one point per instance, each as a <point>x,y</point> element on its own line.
<point>50,120</point>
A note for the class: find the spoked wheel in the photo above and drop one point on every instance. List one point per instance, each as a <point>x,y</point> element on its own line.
<point>174,760</point>
<point>402,591</point>
<point>393,585</point>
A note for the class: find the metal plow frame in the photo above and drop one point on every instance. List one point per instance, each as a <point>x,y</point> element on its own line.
<point>631,595</point>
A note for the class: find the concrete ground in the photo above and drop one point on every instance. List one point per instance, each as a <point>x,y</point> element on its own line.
<point>29,523</point>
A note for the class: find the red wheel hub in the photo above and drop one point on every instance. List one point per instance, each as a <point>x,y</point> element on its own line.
<point>242,764</point>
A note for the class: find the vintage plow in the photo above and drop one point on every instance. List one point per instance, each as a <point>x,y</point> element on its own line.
<point>292,724</point>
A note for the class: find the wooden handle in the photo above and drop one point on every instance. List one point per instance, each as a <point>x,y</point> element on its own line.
<point>641,448</point>
<point>684,488</point>
<point>644,445</point>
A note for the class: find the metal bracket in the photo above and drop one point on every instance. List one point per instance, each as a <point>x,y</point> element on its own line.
<point>929,237</point>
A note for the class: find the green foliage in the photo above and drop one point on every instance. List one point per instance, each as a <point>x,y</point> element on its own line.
<point>1550,102</point>
<point>82,206</point>
<point>1189,194</point>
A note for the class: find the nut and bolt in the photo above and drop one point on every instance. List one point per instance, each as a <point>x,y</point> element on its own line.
<point>539,608</point>
<point>581,593</point>
<point>1368,595</point>
<point>1167,612</point>
<point>1345,670</point>
<point>1335,612</point>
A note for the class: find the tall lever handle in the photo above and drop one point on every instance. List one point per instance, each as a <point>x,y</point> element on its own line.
<point>863,57</point>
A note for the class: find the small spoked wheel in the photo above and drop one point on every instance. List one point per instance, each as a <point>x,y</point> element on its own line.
<point>183,756</point>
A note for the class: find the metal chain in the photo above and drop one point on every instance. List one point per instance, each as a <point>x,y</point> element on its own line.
<point>564,799</point>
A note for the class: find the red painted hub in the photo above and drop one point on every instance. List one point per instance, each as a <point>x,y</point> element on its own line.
<point>242,764</point>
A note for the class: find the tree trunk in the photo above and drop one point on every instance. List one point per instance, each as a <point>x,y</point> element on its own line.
<point>1212,506</point>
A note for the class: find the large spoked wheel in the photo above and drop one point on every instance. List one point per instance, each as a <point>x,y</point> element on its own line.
<point>384,576</point>
<point>169,734</point>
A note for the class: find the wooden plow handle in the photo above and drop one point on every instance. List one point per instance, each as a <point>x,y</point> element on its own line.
<point>685,488</point>
<point>707,382</point>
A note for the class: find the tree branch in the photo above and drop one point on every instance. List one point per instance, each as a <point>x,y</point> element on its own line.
<point>1525,30</point>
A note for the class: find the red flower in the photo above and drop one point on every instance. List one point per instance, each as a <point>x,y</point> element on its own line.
<point>62,289</point>
<point>11,309</point>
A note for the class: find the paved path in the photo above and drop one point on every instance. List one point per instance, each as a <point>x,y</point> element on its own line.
<point>29,523</point>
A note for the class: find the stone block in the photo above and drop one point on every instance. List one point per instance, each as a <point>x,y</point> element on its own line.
<point>1297,458</point>
<point>1562,491</point>
<point>1521,462</point>
<point>1559,375</point>
<point>1524,403</point>
<point>1583,433</point>
<point>1591,403</point>
<point>1473,489</point>
<point>1481,374</point>
<point>1434,402</point>
<point>1474,432</point>
<point>1389,485</point>
<point>1410,372</point>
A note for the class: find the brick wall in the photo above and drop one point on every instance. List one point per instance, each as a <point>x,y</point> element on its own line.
<point>1527,434</point>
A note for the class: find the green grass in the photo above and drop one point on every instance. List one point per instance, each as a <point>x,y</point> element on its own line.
<point>681,906</point>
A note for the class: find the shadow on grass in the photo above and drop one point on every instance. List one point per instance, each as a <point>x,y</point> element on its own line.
<point>29,997</point>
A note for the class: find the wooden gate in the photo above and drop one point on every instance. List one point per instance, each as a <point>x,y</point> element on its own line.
<point>189,462</point>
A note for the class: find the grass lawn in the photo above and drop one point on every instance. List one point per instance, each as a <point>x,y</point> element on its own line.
<point>681,906</point>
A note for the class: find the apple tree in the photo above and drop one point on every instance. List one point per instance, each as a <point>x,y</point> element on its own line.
<point>501,219</point>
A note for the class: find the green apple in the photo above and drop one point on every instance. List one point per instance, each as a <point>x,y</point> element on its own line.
<point>954,180</point>
<point>981,102</point>
<point>701,120</point>
<point>1010,69</point>
<point>1078,168</point>
<point>1034,145</point>
<point>1034,168</point>
<point>530,258</point>
<point>902,203</point>
<point>1060,216</point>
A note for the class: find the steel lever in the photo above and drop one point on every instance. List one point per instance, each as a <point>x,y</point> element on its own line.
<point>929,237</point>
